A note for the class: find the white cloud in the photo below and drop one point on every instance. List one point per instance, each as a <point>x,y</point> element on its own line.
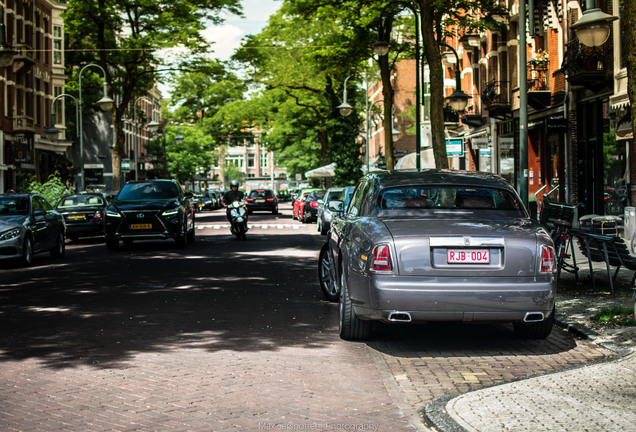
<point>224,40</point>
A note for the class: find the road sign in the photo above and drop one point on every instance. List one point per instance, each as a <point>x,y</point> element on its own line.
<point>125,165</point>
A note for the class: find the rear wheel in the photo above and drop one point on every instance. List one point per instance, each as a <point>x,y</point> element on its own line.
<point>60,247</point>
<point>351,327</point>
<point>327,285</point>
<point>535,330</point>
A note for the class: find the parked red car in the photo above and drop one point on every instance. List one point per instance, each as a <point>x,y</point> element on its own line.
<point>296,204</point>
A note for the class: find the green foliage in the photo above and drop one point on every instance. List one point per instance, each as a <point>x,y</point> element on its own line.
<point>52,190</point>
<point>615,316</point>
<point>231,172</point>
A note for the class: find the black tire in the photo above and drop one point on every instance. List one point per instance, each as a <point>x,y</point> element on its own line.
<point>112,245</point>
<point>275,211</point>
<point>325,275</point>
<point>27,252</point>
<point>350,326</point>
<point>192,234</point>
<point>59,249</point>
<point>535,330</point>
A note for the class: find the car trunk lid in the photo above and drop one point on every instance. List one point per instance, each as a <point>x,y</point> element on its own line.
<point>455,247</point>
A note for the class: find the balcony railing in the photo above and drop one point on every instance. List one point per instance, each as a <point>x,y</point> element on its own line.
<point>496,97</point>
<point>586,66</point>
<point>23,124</point>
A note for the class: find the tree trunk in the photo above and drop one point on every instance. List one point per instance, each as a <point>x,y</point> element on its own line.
<point>387,94</point>
<point>118,149</point>
<point>431,50</point>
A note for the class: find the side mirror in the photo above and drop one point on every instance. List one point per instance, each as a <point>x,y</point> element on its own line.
<point>336,206</point>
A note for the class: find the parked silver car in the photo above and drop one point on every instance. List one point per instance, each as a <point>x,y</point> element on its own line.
<point>29,225</point>
<point>440,245</point>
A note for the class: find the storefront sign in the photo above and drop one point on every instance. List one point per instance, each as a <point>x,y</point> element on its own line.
<point>480,143</point>
<point>125,165</point>
<point>557,125</point>
<point>454,147</point>
<point>506,143</point>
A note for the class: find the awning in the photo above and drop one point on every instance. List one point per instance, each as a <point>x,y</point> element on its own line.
<point>323,171</point>
<point>408,162</point>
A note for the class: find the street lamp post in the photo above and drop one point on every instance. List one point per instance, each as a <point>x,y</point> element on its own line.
<point>52,132</point>
<point>105,104</point>
<point>458,99</point>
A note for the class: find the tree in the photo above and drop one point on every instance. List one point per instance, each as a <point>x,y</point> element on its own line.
<point>125,37</point>
<point>300,65</point>
<point>629,34</point>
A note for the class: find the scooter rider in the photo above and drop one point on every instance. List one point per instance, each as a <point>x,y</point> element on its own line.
<point>232,195</point>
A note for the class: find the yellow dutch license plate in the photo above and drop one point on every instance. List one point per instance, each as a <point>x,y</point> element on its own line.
<point>140,226</point>
<point>78,216</point>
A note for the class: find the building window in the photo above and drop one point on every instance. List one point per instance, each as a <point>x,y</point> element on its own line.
<point>238,160</point>
<point>251,160</point>
<point>264,160</point>
<point>57,45</point>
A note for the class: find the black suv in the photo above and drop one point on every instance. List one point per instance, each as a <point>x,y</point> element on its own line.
<point>262,200</point>
<point>150,209</point>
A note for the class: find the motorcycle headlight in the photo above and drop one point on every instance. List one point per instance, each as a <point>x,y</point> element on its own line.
<point>13,233</point>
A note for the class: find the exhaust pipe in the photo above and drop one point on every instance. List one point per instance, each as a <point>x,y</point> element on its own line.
<point>533,317</point>
<point>397,316</point>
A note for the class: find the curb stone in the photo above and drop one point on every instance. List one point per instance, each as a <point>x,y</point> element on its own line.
<point>435,416</point>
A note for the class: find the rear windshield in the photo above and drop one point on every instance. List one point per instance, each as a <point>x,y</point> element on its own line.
<point>80,201</point>
<point>261,194</point>
<point>445,197</point>
<point>140,191</point>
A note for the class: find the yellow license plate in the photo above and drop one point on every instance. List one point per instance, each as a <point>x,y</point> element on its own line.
<point>76,217</point>
<point>140,226</point>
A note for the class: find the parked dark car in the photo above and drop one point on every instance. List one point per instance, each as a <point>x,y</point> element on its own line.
<point>309,211</point>
<point>324,214</point>
<point>151,209</point>
<point>29,225</point>
<point>262,200</point>
<point>84,214</point>
<point>440,245</point>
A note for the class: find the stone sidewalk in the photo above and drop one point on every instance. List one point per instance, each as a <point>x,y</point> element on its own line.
<point>594,397</point>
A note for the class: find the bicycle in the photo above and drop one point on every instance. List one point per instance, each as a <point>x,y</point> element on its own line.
<point>564,248</point>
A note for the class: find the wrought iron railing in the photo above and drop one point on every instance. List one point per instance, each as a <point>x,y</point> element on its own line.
<point>496,93</point>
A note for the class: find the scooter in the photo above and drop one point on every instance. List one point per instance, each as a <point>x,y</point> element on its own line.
<point>238,219</point>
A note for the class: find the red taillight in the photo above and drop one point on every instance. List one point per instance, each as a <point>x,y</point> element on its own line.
<point>381,258</point>
<point>547,259</point>
<point>250,200</point>
<point>314,204</point>
<point>270,199</point>
<point>97,216</point>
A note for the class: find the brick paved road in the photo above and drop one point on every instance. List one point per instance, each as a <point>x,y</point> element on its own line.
<point>226,335</point>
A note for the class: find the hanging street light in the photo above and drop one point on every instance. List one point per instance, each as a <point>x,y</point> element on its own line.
<point>593,28</point>
<point>344,107</point>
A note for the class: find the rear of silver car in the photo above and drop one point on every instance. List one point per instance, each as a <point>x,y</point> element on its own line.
<point>436,269</point>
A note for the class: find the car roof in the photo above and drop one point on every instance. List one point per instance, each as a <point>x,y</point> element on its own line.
<point>440,176</point>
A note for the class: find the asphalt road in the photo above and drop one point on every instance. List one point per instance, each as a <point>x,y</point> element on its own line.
<point>227,335</point>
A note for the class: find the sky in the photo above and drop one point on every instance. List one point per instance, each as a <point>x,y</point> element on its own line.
<point>226,38</point>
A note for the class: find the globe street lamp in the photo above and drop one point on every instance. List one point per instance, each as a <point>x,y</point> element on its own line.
<point>105,103</point>
<point>52,132</point>
<point>593,28</point>
<point>458,99</point>
<point>344,108</point>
